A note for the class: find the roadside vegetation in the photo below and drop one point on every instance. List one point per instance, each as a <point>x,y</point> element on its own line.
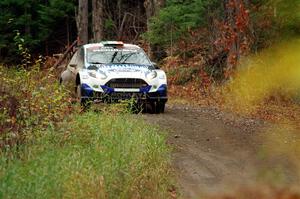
<point>92,156</point>
<point>51,149</point>
<point>30,100</point>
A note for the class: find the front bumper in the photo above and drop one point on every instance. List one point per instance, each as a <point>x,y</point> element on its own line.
<point>110,95</point>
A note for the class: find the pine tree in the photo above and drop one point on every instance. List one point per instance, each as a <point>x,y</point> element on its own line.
<point>35,20</point>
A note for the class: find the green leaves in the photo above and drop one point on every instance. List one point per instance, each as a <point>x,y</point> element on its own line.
<point>36,20</point>
<point>175,20</point>
<point>30,101</point>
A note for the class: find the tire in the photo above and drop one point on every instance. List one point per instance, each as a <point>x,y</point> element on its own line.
<point>147,108</point>
<point>78,93</point>
<point>158,107</point>
<point>161,107</point>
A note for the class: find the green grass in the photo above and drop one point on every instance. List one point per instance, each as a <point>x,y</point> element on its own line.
<point>95,155</point>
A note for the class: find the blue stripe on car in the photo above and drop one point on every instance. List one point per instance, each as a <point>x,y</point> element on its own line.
<point>145,89</point>
<point>107,90</point>
<point>86,90</point>
<point>162,90</point>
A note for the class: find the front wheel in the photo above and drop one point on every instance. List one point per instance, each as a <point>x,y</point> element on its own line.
<point>161,107</point>
<point>158,107</point>
<point>78,93</point>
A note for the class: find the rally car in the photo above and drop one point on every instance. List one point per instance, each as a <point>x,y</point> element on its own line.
<point>113,71</point>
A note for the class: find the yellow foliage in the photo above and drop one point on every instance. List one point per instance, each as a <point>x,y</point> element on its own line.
<point>270,73</point>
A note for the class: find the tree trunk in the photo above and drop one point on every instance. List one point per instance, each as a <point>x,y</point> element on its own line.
<point>82,22</point>
<point>97,20</point>
<point>152,8</point>
<point>231,8</point>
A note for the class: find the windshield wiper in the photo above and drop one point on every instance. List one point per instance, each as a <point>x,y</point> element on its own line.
<point>92,67</point>
<point>128,63</point>
<point>95,63</point>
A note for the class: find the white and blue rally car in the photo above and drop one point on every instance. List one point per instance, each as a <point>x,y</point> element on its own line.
<point>112,71</point>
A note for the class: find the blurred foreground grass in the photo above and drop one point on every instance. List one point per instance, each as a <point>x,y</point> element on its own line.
<point>93,156</point>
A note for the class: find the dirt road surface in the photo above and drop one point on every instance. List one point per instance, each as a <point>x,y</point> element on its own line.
<point>214,152</point>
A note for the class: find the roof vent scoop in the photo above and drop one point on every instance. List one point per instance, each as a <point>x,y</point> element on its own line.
<point>113,44</point>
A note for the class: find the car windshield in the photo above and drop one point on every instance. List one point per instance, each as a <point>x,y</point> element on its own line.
<point>117,56</point>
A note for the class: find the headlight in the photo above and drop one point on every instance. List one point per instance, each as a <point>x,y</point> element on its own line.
<point>84,76</point>
<point>152,75</point>
<point>162,76</point>
<point>98,74</point>
<point>102,74</point>
<point>93,74</point>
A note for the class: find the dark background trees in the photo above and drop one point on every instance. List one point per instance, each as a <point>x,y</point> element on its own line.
<point>48,26</point>
<point>220,31</point>
<point>43,24</point>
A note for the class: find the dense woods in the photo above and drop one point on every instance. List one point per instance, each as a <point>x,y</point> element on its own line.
<point>217,33</point>
<point>43,25</point>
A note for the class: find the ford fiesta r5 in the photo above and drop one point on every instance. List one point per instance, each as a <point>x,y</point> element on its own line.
<point>114,71</point>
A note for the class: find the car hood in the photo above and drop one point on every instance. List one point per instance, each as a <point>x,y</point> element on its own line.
<point>123,67</point>
<point>125,70</point>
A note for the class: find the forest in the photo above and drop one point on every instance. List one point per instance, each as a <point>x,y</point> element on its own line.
<point>232,116</point>
<point>218,31</point>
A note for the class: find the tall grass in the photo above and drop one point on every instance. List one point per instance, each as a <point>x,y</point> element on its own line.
<point>95,155</point>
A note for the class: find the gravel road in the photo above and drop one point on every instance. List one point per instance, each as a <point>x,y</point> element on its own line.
<point>214,152</point>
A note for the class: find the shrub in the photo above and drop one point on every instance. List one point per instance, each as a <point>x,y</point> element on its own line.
<point>30,100</point>
<point>183,75</point>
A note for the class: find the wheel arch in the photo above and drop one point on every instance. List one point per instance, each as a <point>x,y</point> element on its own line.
<point>77,81</point>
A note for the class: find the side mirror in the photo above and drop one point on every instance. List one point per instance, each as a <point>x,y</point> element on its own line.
<point>73,65</point>
<point>155,65</point>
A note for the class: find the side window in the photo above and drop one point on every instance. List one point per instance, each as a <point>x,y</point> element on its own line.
<point>74,58</point>
<point>80,57</point>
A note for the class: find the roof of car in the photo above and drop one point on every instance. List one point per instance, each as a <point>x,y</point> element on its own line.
<point>111,44</point>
